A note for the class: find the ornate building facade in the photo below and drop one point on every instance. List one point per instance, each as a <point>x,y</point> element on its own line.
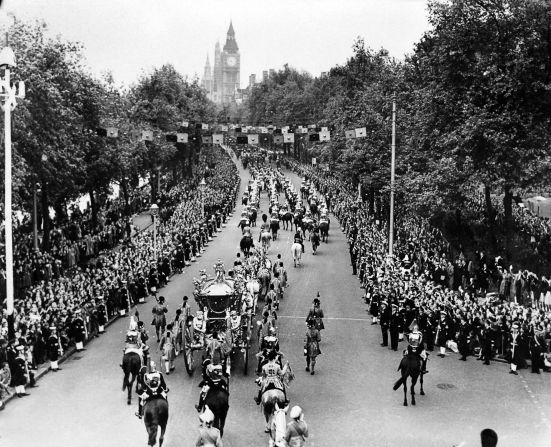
<point>222,82</point>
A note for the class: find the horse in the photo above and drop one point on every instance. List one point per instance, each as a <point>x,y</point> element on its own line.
<point>271,399</point>
<point>274,226</point>
<point>131,365</point>
<point>314,209</point>
<point>217,399</point>
<point>315,242</point>
<point>264,277</point>
<point>410,366</point>
<point>324,229</point>
<point>278,427</point>
<point>296,250</point>
<point>246,244</point>
<point>307,224</point>
<point>252,217</point>
<point>297,220</point>
<point>265,237</point>
<point>155,415</point>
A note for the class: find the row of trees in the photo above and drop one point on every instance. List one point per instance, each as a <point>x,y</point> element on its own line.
<point>56,142</point>
<point>474,108</point>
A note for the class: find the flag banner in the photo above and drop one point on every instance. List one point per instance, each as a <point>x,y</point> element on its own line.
<point>207,139</point>
<point>290,130</point>
<point>312,126</point>
<point>289,137</point>
<point>101,131</point>
<point>324,129</point>
<point>277,131</point>
<point>185,123</point>
<point>318,129</point>
<point>350,134</point>
<point>325,136</point>
<point>253,139</point>
<point>278,139</point>
<point>264,139</point>
<point>171,138</point>
<point>218,138</point>
<point>314,137</point>
<point>284,129</point>
<point>181,137</point>
<point>244,130</point>
<point>204,126</point>
<point>314,161</point>
<point>112,132</point>
<point>224,128</point>
<point>242,140</point>
<point>147,135</point>
<point>361,132</point>
<point>198,126</point>
<point>304,130</point>
<point>263,130</point>
<point>238,129</point>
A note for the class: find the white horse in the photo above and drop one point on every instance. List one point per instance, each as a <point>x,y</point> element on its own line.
<point>296,250</point>
<point>265,237</point>
<point>278,427</point>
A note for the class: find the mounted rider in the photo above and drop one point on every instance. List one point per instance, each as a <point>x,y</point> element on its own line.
<point>133,342</point>
<point>272,377</point>
<point>212,378</point>
<point>154,386</point>
<point>268,344</point>
<point>297,238</point>
<point>416,346</point>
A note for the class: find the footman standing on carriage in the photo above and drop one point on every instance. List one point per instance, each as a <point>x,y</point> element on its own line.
<point>154,387</point>
<point>311,346</point>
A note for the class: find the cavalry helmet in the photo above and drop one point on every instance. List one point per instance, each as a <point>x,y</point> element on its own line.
<point>295,413</point>
<point>207,416</point>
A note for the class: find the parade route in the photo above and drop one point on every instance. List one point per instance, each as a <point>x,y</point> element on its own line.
<point>349,402</point>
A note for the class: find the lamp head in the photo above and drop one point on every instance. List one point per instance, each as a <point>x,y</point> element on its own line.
<point>7,58</point>
<point>154,209</point>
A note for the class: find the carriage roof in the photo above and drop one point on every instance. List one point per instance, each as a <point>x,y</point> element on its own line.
<point>217,287</point>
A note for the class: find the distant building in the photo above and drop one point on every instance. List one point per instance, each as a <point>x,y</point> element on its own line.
<point>272,72</point>
<point>265,75</point>
<point>223,82</point>
<point>252,80</point>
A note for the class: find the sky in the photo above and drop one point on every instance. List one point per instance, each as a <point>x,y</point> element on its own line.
<point>130,37</point>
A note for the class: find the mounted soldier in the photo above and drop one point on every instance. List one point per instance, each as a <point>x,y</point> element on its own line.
<point>417,347</point>
<point>154,387</point>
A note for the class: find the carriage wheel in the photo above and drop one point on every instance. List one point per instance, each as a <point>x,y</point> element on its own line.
<point>187,340</point>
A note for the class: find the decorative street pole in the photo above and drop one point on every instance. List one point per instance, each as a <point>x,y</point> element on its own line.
<point>392,169</point>
<point>8,96</point>
<point>202,187</point>
<point>36,191</point>
<point>154,210</point>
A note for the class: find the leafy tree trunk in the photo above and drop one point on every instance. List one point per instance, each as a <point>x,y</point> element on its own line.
<point>371,200</point>
<point>508,209</point>
<point>124,187</point>
<point>153,184</point>
<point>45,218</point>
<point>94,206</point>
<point>60,211</point>
<point>490,216</point>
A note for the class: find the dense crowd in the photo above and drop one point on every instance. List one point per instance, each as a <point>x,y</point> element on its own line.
<point>63,310</point>
<point>446,296</point>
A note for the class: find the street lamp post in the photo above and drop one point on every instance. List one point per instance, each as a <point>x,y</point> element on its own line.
<point>392,169</point>
<point>8,96</point>
<point>202,187</point>
<point>36,191</point>
<point>154,210</point>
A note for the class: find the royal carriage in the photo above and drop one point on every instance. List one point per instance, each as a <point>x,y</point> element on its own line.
<point>227,325</point>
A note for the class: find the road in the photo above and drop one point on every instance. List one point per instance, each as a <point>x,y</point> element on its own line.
<point>349,402</point>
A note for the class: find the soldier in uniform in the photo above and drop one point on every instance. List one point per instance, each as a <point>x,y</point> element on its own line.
<point>154,386</point>
<point>101,314</point>
<point>427,325</point>
<point>384,319</point>
<point>442,333</point>
<point>142,340</point>
<point>486,337</point>
<point>20,372</point>
<point>54,349</point>
<point>464,339</point>
<point>78,330</point>
<point>515,340</point>
<point>395,325</point>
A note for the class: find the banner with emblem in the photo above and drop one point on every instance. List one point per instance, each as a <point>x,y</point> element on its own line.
<point>224,128</point>
<point>263,130</point>
<point>206,139</point>
<point>204,126</point>
<point>112,132</point>
<point>324,129</point>
<point>242,140</point>
<point>147,135</point>
<point>181,138</point>
<point>278,139</point>
<point>361,132</point>
<point>185,123</point>
<point>325,135</point>
<point>218,138</point>
<point>253,138</point>
<point>314,137</point>
<point>289,137</point>
<point>349,134</point>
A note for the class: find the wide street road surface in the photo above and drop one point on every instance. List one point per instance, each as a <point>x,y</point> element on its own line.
<point>349,402</point>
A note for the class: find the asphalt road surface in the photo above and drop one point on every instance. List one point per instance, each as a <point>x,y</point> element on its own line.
<point>349,402</point>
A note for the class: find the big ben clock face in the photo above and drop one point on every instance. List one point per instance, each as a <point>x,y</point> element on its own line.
<point>231,61</point>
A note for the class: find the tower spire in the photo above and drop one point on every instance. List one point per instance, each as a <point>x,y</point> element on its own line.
<point>230,29</point>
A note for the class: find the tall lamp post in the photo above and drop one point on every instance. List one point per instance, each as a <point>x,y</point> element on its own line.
<point>8,96</point>
<point>154,210</point>
<point>392,169</point>
<point>36,191</point>
<point>202,187</point>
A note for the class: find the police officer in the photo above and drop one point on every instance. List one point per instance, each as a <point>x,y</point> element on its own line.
<point>395,325</point>
<point>384,319</point>
<point>20,372</point>
<point>54,349</point>
<point>78,330</point>
<point>101,314</point>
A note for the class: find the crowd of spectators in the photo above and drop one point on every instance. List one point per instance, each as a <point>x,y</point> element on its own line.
<point>475,306</point>
<point>79,302</point>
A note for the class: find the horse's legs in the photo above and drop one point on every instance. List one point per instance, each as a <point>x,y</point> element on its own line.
<point>152,432</point>
<point>129,400</point>
<point>405,394</point>
<point>162,437</point>
<point>422,393</point>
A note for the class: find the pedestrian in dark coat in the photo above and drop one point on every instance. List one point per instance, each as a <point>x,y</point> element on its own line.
<point>54,348</point>
<point>384,319</point>
<point>463,339</point>
<point>395,326</point>
<point>78,330</point>
<point>20,372</point>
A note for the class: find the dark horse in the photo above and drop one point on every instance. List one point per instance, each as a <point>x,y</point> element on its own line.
<point>324,229</point>
<point>287,218</point>
<point>410,366</point>
<point>246,244</point>
<point>218,401</point>
<point>131,364</point>
<point>155,415</point>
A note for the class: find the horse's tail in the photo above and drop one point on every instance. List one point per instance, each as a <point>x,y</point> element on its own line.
<point>399,383</point>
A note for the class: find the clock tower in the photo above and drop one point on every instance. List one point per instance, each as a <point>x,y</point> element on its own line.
<point>231,66</point>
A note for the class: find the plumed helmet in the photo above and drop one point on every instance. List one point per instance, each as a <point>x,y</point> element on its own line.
<point>153,366</point>
<point>295,413</point>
